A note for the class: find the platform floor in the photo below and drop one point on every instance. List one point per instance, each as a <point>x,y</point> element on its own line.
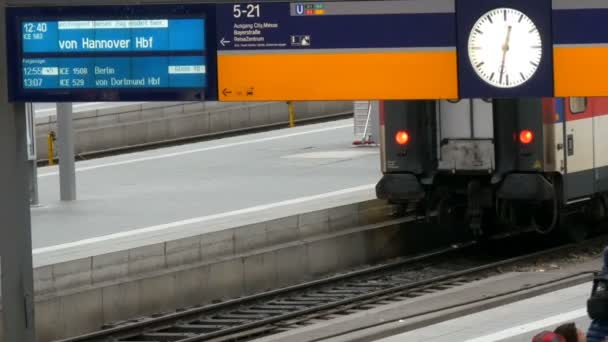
<point>49,109</point>
<point>169,187</point>
<point>516,322</point>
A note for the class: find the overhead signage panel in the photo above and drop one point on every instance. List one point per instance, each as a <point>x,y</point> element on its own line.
<point>310,50</point>
<point>337,50</point>
<point>122,57</point>
<point>340,25</point>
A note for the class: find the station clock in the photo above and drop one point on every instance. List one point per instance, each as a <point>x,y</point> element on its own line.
<point>505,47</point>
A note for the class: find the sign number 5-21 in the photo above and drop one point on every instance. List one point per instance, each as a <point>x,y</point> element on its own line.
<point>250,11</point>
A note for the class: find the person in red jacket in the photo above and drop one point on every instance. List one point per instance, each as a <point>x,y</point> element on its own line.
<point>570,332</point>
<point>548,336</point>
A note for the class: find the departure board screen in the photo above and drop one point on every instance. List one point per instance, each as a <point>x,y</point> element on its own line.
<point>114,72</point>
<point>113,59</point>
<point>69,41</point>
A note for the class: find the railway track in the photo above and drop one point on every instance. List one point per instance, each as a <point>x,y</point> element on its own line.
<point>304,304</point>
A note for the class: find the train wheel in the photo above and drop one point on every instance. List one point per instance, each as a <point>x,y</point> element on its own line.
<point>573,228</point>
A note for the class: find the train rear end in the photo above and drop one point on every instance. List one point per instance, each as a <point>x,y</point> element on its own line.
<point>477,163</point>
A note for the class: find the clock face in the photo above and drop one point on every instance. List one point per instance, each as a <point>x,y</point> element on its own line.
<point>505,48</point>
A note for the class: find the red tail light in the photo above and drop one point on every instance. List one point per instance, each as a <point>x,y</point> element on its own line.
<point>526,137</point>
<point>402,137</point>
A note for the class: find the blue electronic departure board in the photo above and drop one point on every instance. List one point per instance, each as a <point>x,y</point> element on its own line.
<point>114,72</point>
<point>114,36</point>
<point>114,57</point>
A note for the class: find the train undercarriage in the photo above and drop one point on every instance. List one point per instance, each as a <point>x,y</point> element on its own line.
<point>475,207</point>
<point>491,167</point>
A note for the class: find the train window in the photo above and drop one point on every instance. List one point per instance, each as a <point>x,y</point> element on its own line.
<point>578,105</point>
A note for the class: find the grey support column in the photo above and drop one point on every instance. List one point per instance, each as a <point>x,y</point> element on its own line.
<point>374,122</point>
<point>15,226</point>
<point>65,145</point>
<point>31,153</point>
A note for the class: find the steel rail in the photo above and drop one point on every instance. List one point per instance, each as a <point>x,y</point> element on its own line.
<point>197,311</point>
<point>309,307</point>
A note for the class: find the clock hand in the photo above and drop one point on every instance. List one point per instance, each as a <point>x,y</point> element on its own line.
<point>505,48</point>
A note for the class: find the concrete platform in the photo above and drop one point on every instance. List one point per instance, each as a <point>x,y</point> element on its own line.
<point>309,167</point>
<point>158,230</point>
<point>76,296</point>
<point>45,110</point>
<point>109,126</point>
<point>516,322</point>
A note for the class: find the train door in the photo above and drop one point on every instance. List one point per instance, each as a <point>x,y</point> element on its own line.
<point>578,149</point>
<point>465,137</point>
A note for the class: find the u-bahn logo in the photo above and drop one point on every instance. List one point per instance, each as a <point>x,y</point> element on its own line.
<point>310,9</point>
<point>299,9</point>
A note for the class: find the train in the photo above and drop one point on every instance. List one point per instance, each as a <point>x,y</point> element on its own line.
<point>499,166</point>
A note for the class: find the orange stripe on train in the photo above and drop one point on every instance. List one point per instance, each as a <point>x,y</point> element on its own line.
<point>580,71</point>
<point>340,76</point>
